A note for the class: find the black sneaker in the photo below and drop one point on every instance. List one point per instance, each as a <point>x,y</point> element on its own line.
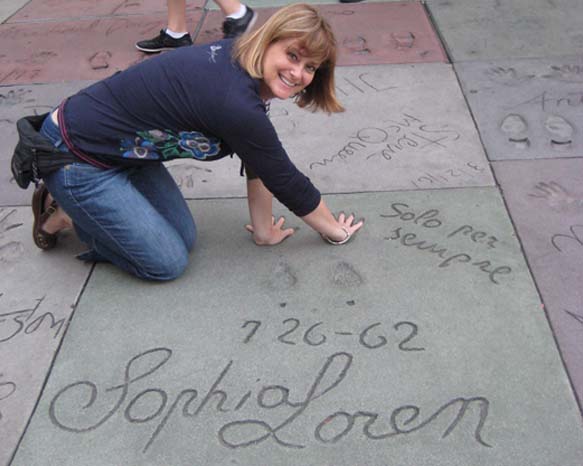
<point>163,42</point>
<point>236,27</point>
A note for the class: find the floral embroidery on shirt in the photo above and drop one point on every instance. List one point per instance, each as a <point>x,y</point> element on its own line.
<point>165,145</point>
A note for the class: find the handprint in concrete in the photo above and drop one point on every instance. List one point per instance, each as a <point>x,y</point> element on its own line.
<point>557,197</point>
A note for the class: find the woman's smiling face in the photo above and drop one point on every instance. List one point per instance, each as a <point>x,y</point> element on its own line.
<point>287,69</point>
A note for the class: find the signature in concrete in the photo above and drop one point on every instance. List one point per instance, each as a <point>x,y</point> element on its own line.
<point>546,101</point>
<point>27,322</point>
<point>74,407</point>
<point>431,219</point>
<point>364,83</point>
<point>394,137</point>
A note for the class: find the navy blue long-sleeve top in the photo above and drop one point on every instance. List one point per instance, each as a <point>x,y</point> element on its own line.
<point>194,102</point>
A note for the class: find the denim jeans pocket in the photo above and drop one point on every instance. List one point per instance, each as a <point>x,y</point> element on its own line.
<point>80,174</point>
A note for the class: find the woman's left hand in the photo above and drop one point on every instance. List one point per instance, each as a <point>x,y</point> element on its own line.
<point>275,234</point>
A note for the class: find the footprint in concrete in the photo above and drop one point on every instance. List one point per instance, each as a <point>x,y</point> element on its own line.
<point>357,45</point>
<point>100,60</point>
<point>282,277</point>
<point>561,132</point>
<point>515,127</point>
<point>403,40</point>
<point>346,276</point>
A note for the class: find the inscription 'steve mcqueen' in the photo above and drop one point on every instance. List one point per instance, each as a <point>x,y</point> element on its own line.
<point>152,405</point>
<point>394,137</point>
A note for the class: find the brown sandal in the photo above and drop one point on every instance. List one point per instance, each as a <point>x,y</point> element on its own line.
<point>41,238</point>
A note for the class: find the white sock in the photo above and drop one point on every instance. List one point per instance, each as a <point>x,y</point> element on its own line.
<point>239,13</point>
<point>175,35</point>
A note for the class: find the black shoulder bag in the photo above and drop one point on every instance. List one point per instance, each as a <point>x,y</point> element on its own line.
<point>35,156</point>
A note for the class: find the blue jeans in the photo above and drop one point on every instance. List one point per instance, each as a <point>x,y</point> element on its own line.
<point>135,218</point>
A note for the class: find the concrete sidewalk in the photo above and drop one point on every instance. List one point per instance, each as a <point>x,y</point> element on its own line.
<point>448,332</point>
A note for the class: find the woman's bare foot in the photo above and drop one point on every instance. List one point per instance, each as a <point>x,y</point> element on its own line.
<point>57,221</point>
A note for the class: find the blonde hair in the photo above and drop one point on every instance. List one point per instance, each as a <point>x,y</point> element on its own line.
<point>306,24</point>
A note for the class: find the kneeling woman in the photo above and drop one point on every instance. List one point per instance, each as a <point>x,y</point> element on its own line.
<point>200,102</point>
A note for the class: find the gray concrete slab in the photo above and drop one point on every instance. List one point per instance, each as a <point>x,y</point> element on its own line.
<point>388,138</point>
<point>308,354</point>
<point>37,293</point>
<point>488,29</point>
<point>545,198</point>
<point>15,102</point>
<point>10,7</point>
<point>527,108</point>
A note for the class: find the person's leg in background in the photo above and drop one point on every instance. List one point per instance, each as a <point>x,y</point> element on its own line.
<point>238,20</point>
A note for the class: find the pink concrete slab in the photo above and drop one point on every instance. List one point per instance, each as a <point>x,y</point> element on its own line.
<point>74,50</point>
<point>367,33</point>
<point>545,199</point>
<point>66,9</point>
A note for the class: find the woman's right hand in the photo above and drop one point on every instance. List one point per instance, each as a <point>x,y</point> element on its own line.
<point>334,230</point>
<point>348,228</point>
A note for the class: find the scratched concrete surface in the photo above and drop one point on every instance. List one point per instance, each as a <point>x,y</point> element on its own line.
<point>488,29</point>
<point>545,199</point>
<point>67,9</point>
<point>83,49</point>
<point>367,34</point>
<point>15,102</point>
<point>322,347</point>
<point>527,108</point>
<point>37,293</point>
<point>9,8</point>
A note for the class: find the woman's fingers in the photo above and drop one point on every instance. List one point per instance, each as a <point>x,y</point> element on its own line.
<point>357,226</point>
<point>287,232</point>
<point>249,228</point>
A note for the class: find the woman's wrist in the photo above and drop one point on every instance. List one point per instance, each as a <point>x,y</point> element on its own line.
<point>341,240</point>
